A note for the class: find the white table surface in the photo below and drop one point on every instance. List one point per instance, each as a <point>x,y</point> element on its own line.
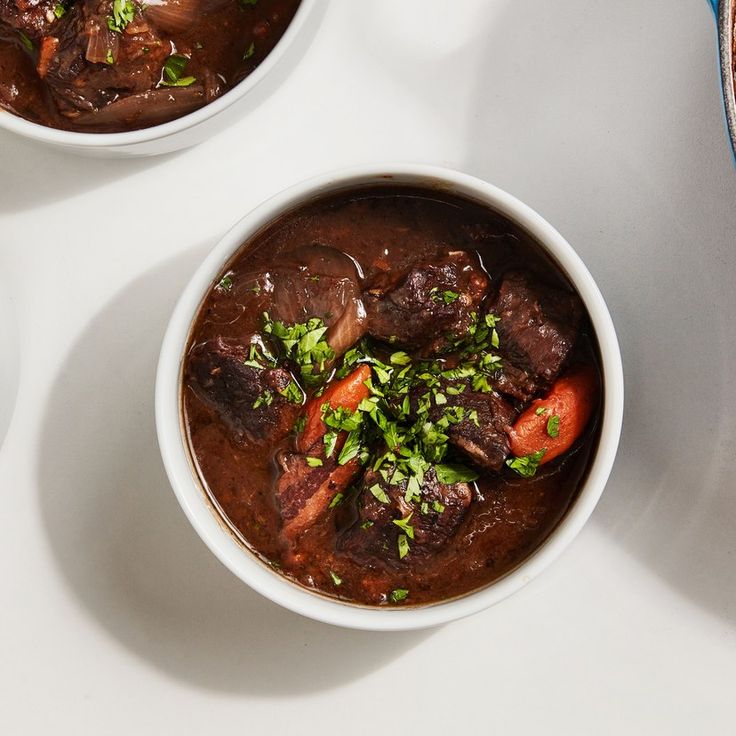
<point>114,618</point>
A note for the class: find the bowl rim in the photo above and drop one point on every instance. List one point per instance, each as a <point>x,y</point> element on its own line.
<point>212,529</point>
<point>38,132</point>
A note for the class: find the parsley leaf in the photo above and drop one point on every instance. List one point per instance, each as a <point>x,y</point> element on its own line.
<point>403,544</point>
<point>379,493</point>
<point>336,579</point>
<point>172,72</point>
<point>553,426</point>
<point>449,474</point>
<point>226,282</point>
<point>123,12</point>
<point>527,465</point>
<point>405,526</point>
<point>398,595</point>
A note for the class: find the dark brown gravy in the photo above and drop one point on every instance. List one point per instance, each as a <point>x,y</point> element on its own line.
<point>510,516</point>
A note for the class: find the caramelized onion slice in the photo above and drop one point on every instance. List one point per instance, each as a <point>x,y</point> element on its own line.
<point>148,108</point>
<point>102,43</point>
<point>173,16</point>
<point>320,281</point>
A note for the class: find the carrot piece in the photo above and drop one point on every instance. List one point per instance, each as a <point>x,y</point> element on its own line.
<point>554,423</point>
<point>46,52</point>
<point>348,392</point>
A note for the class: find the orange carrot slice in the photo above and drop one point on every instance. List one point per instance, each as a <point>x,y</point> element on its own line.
<point>348,393</point>
<point>554,423</point>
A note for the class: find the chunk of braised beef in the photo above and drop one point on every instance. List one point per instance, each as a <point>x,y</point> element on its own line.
<point>433,518</point>
<point>305,492</point>
<point>516,382</point>
<point>538,327</point>
<point>481,433</point>
<point>429,306</point>
<point>244,389</point>
<point>475,422</point>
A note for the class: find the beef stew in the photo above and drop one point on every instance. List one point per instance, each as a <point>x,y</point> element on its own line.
<point>392,395</point>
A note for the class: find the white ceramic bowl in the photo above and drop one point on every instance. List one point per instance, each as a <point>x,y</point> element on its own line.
<point>8,360</point>
<point>212,528</point>
<point>187,130</point>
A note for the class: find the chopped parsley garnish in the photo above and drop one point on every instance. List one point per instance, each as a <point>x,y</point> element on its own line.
<point>447,296</point>
<point>303,343</point>
<point>248,53</point>
<point>400,358</point>
<point>293,393</point>
<point>314,462</point>
<point>398,595</point>
<point>367,524</point>
<point>335,578</point>
<point>265,399</point>
<point>527,465</point>
<point>350,449</point>
<point>553,426</point>
<point>26,41</point>
<point>226,282</point>
<point>330,441</point>
<point>109,58</point>
<point>379,493</point>
<point>405,526</point>
<point>336,501</point>
<point>59,10</point>
<point>449,474</point>
<point>541,410</point>
<point>172,72</point>
<point>403,543</point>
<point>123,12</point>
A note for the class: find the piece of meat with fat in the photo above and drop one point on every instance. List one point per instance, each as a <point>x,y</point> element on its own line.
<point>538,326</point>
<point>475,422</point>
<point>374,536</point>
<point>304,493</point>
<point>247,398</point>
<point>481,434</point>
<point>428,306</point>
<point>320,281</point>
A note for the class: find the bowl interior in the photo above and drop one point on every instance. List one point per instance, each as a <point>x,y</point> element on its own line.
<point>211,523</point>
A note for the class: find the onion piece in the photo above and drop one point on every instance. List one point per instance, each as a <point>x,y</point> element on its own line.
<point>147,108</point>
<point>102,43</point>
<point>321,281</point>
<point>173,16</point>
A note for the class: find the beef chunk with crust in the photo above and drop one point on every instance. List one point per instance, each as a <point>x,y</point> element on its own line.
<point>428,306</point>
<point>537,328</point>
<point>304,492</point>
<point>243,389</point>
<point>482,432</point>
<point>434,519</point>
